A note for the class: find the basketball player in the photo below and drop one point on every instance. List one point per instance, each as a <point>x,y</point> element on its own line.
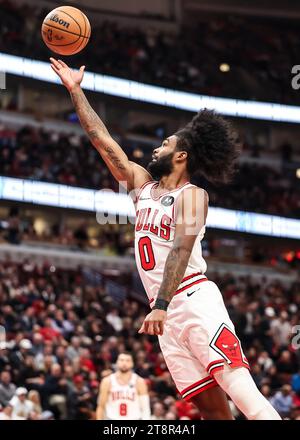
<point>196,335</point>
<point>123,395</point>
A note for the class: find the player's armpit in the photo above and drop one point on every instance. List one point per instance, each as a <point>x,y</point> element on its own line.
<point>140,176</point>
<point>191,213</point>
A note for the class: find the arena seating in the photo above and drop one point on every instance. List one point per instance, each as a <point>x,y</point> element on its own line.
<point>65,330</point>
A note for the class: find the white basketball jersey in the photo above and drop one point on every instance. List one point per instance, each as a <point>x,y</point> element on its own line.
<point>123,400</point>
<point>154,236</point>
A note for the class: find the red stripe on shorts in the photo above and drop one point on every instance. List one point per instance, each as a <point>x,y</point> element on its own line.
<point>206,387</point>
<point>190,276</point>
<point>190,285</point>
<point>214,363</point>
<point>191,387</point>
<point>207,382</point>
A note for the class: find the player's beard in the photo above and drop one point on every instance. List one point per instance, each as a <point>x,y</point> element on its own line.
<point>124,370</point>
<point>161,167</point>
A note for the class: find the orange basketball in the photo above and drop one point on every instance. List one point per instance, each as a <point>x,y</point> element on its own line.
<point>66,30</point>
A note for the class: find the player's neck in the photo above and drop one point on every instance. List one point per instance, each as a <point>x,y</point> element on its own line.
<point>173,181</point>
<point>124,377</point>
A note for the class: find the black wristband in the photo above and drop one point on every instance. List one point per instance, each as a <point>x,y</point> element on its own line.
<point>161,304</point>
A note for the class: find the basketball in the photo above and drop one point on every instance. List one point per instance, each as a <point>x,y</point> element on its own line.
<point>66,30</point>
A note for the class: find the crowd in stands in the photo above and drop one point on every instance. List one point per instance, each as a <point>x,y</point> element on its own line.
<point>259,51</point>
<point>64,332</point>
<point>65,159</point>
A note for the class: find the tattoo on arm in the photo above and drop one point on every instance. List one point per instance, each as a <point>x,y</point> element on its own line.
<point>114,158</point>
<point>175,267</point>
<point>93,125</point>
<point>89,119</point>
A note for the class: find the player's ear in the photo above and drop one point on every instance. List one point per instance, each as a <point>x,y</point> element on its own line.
<point>182,155</point>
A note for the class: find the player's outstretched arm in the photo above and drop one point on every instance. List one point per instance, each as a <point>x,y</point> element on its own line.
<point>191,216</point>
<point>132,174</point>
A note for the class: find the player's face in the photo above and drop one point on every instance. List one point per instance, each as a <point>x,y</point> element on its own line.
<point>124,363</point>
<point>162,159</point>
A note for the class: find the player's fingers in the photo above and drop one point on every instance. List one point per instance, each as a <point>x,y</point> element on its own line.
<point>146,326</point>
<point>156,327</point>
<point>150,329</point>
<point>55,69</point>
<point>55,63</point>
<point>82,69</point>
<point>161,327</point>
<point>142,329</point>
<point>62,63</point>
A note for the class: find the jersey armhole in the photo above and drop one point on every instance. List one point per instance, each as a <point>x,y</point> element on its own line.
<point>140,190</point>
<point>174,210</point>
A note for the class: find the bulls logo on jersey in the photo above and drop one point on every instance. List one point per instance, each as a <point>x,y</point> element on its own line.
<point>167,200</point>
<point>227,344</point>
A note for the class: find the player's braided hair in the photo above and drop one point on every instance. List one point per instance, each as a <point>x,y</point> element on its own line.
<point>212,146</point>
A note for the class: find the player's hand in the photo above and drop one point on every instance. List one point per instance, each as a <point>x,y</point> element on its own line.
<point>70,78</point>
<point>154,323</point>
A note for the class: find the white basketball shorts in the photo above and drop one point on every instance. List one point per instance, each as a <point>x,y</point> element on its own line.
<point>199,337</point>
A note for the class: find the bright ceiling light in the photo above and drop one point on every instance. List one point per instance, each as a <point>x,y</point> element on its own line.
<point>224,67</point>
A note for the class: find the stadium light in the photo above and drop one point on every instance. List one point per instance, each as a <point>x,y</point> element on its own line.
<point>224,67</point>
<point>134,90</point>
<point>63,196</point>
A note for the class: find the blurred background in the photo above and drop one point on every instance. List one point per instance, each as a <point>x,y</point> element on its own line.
<point>70,296</point>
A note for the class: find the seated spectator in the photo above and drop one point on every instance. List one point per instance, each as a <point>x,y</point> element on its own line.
<point>73,349</point>
<point>115,320</point>
<point>21,406</point>
<point>158,411</point>
<point>6,413</point>
<point>283,400</point>
<point>56,389</point>
<point>282,330</point>
<point>286,366</point>
<point>34,397</point>
<point>7,388</point>
<point>81,399</point>
<point>18,357</point>
<point>266,391</point>
<point>48,332</point>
